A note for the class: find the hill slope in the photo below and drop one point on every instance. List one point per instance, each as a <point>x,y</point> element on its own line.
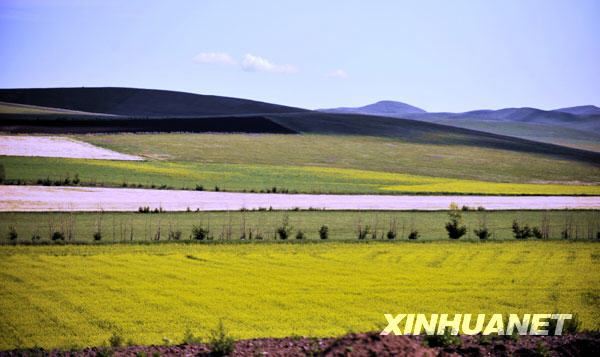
<point>139,102</point>
<point>421,132</point>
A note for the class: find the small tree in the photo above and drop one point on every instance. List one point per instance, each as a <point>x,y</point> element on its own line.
<point>393,231</point>
<point>324,232</point>
<point>483,233</point>
<point>285,229</point>
<point>454,227</point>
<point>12,234</point>
<point>97,236</point>
<point>58,236</point>
<point>300,234</point>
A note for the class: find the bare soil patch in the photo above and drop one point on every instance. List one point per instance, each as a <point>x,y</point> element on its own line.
<point>362,344</point>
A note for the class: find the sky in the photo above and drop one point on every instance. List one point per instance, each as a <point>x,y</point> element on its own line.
<point>437,55</point>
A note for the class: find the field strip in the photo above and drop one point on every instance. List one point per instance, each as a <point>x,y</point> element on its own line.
<point>48,198</point>
<point>57,146</point>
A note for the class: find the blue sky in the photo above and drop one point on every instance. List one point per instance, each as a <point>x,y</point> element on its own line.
<point>438,55</point>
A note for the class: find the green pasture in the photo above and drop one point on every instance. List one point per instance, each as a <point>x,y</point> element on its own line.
<point>426,158</point>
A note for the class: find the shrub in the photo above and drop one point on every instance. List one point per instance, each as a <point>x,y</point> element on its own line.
<point>454,227</point>
<point>391,234</point>
<point>324,232</point>
<point>300,235</point>
<point>482,233</point>
<point>481,208</point>
<point>144,209</point>
<point>466,208</point>
<point>12,233</point>
<point>2,174</point>
<point>447,339</point>
<point>535,231</point>
<point>35,237</point>
<point>220,343</point>
<point>115,340</point>
<point>76,180</point>
<point>58,236</point>
<point>176,235</point>
<point>97,236</point>
<point>190,339</point>
<point>413,234</point>
<point>200,233</point>
<point>521,232</point>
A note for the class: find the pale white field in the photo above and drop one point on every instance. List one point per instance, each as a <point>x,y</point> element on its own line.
<point>50,198</point>
<point>56,146</point>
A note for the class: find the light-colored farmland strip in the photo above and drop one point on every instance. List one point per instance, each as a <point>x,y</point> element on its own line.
<point>43,198</point>
<point>57,146</point>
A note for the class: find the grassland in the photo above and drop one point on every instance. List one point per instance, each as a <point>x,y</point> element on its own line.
<point>312,164</point>
<point>259,178</point>
<point>425,158</point>
<point>115,226</point>
<point>65,296</point>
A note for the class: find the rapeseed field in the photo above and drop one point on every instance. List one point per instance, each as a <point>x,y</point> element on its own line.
<point>80,295</point>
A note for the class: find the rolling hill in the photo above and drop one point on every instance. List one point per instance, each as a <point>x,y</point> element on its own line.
<point>135,102</point>
<point>142,110</point>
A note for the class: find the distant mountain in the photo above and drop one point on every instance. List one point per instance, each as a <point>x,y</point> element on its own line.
<point>384,107</point>
<point>139,102</point>
<point>580,110</point>
<point>522,115</point>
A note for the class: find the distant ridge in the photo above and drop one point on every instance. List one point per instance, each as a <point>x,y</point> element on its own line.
<point>580,110</point>
<point>383,107</point>
<point>139,102</point>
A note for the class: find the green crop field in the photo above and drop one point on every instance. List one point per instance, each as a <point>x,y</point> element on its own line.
<point>258,178</point>
<point>377,154</point>
<point>67,296</point>
<point>343,225</point>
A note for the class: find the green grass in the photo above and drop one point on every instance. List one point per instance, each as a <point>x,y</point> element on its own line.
<point>353,152</point>
<point>76,296</point>
<point>342,224</point>
<point>258,178</point>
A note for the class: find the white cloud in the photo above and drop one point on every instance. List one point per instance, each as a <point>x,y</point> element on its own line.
<point>215,58</point>
<point>340,73</point>
<point>253,63</point>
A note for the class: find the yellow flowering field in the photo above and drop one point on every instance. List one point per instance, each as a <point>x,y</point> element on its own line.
<point>79,295</point>
<point>244,177</point>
